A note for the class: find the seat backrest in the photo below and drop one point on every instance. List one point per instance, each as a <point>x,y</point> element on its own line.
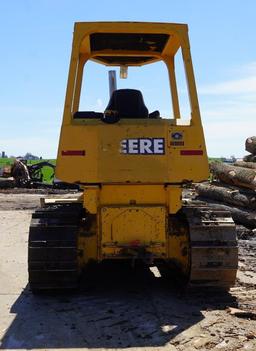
<point>127,103</point>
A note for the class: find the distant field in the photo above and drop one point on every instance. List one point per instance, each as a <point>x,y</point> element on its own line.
<point>211,159</point>
<point>47,171</point>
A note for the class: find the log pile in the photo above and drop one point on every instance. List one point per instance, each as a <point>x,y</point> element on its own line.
<point>242,206</point>
<point>244,164</point>
<point>227,195</point>
<point>233,175</point>
<point>250,158</point>
<point>234,187</point>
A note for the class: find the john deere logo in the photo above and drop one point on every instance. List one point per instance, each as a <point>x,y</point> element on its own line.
<point>177,136</point>
<point>143,146</point>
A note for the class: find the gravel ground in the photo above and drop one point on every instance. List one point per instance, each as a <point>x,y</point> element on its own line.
<point>119,307</point>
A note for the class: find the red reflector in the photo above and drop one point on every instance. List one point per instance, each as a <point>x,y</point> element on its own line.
<point>191,152</point>
<point>73,153</point>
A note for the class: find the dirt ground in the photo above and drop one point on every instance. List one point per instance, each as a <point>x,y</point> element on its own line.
<point>119,307</point>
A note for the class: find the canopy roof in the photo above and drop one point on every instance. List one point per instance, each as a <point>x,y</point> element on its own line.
<point>128,43</point>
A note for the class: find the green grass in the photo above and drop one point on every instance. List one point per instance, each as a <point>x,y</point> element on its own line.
<point>6,161</point>
<point>47,171</point>
<point>211,159</point>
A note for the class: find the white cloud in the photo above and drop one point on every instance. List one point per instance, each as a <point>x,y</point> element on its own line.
<point>227,138</point>
<point>241,85</point>
<point>99,102</point>
<point>228,109</point>
<point>227,129</point>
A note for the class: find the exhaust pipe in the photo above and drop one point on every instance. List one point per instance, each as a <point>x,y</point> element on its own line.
<point>112,82</point>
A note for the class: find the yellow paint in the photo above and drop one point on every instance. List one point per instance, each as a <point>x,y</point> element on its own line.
<point>91,199</point>
<point>104,163</point>
<point>178,244</point>
<point>135,227</point>
<point>132,195</point>
<point>174,201</point>
<point>88,239</point>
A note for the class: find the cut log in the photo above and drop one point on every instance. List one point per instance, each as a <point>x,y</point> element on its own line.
<point>226,195</point>
<point>249,158</point>
<point>234,175</point>
<point>244,164</point>
<point>250,145</point>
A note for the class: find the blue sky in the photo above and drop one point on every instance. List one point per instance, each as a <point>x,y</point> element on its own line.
<point>36,40</point>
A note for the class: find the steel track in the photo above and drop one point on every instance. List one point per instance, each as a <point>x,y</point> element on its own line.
<point>213,247</point>
<point>52,249</point>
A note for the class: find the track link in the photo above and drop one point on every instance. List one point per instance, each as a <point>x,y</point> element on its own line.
<point>213,247</point>
<point>52,249</point>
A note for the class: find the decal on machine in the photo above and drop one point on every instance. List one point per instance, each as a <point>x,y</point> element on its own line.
<point>177,139</point>
<point>143,146</point>
<point>177,135</point>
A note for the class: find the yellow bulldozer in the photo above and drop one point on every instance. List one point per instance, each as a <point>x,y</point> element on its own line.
<point>132,166</point>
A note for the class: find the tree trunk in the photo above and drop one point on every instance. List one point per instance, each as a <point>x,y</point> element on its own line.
<point>234,175</point>
<point>250,145</point>
<point>249,158</point>
<point>244,164</point>
<point>227,195</point>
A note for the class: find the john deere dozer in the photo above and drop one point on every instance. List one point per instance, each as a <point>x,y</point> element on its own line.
<point>132,166</point>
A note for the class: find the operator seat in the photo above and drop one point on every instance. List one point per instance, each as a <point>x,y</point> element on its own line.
<point>127,103</point>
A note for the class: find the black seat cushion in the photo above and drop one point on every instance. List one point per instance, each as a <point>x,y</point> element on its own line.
<point>87,114</point>
<point>127,103</point>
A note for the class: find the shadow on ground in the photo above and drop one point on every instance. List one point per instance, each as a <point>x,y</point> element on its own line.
<point>116,307</point>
